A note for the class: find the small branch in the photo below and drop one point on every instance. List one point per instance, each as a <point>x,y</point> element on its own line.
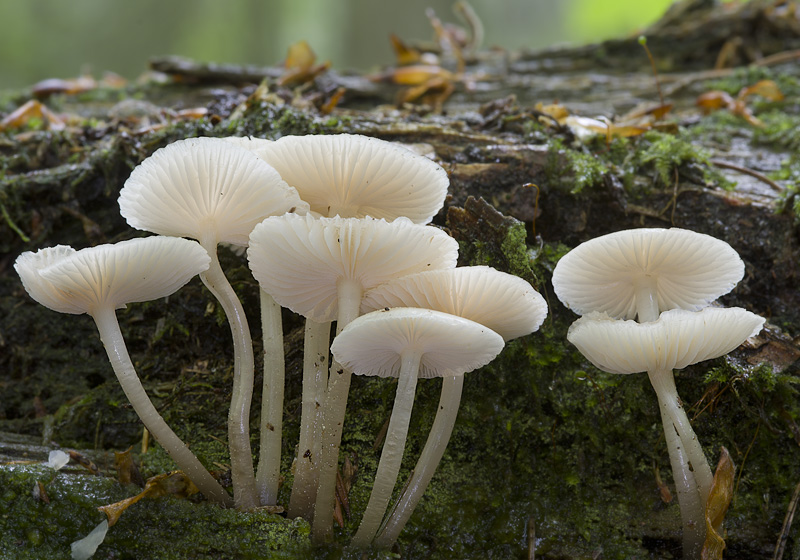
<point>753,173</point>
<point>780,546</point>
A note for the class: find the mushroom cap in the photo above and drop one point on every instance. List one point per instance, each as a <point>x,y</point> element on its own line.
<point>505,303</point>
<point>690,270</point>
<point>677,339</point>
<point>355,176</point>
<point>140,269</point>
<point>298,260</point>
<point>199,183</point>
<point>29,264</point>
<point>450,345</point>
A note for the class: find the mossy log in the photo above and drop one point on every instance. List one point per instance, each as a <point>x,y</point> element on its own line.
<point>549,454</point>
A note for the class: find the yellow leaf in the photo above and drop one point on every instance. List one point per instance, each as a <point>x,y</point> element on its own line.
<point>717,506</point>
<point>765,88</point>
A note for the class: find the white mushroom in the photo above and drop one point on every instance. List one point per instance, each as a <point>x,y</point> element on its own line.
<point>677,339</point>
<point>640,272</point>
<point>506,304</point>
<point>320,269</point>
<point>214,191</point>
<point>407,343</point>
<point>353,176</point>
<point>101,279</point>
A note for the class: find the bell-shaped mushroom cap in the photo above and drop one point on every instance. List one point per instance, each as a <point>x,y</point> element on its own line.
<point>298,260</point>
<point>355,176</point>
<point>677,339</point>
<point>199,183</point>
<point>505,303</point>
<point>450,345</point>
<point>141,269</point>
<point>688,270</point>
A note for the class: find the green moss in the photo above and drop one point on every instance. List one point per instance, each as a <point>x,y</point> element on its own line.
<point>780,130</point>
<point>574,168</point>
<point>669,155</point>
<point>268,120</point>
<point>164,528</point>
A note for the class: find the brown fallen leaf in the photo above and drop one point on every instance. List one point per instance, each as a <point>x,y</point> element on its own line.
<point>85,462</point>
<point>300,66</point>
<point>344,481</point>
<point>30,111</point>
<point>174,483</point>
<point>127,471</point>
<point>715,100</point>
<point>717,506</point>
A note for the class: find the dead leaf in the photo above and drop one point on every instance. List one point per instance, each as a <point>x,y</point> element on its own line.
<point>717,506</point>
<point>344,481</point>
<point>767,89</point>
<point>300,66</point>
<point>174,483</point>
<point>30,111</point>
<point>85,462</point>
<point>404,54</point>
<point>127,471</point>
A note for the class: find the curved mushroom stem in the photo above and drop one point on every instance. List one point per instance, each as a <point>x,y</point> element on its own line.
<point>350,294</point>
<point>686,489</point>
<point>111,336</point>
<point>269,456</point>
<point>244,483</point>
<point>392,454</point>
<point>316,348</point>
<point>428,461</point>
<point>690,464</point>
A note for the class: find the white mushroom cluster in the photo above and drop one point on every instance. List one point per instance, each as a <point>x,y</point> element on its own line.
<point>335,230</point>
<point>666,279</point>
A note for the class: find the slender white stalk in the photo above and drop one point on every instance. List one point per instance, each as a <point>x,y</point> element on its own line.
<point>111,336</point>
<point>689,465</point>
<point>689,500</point>
<point>244,484</point>
<point>350,294</point>
<point>268,475</point>
<point>393,447</point>
<point>664,384</point>
<point>427,463</point>
<point>316,350</point>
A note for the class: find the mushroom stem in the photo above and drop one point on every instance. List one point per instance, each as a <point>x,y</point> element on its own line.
<point>111,336</point>
<point>350,293</point>
<point>392,454</point>
<point>692,510</point>
<point>316,348</point>
<point>646,302</point>
<point>690,468</point>
<point>663,382</point>
<point>244,484</point>
<point>269,457</point>
<point>428,461</point>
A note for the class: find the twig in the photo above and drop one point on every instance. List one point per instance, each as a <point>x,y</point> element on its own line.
<point>771,60</point>
<point>753,173</point>
<point>746,453</point>
<point>531,538</point>
<point>780,546</point>
<point>643,42</point>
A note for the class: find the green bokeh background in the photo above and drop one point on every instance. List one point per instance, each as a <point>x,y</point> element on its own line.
<point>57,38</point>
